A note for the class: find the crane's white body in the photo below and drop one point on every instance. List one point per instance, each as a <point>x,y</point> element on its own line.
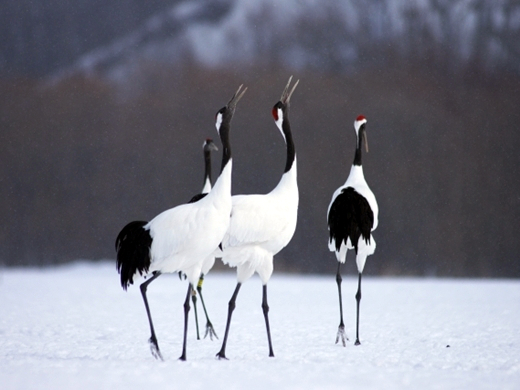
<point>261,226</point>
<point>185,234</point>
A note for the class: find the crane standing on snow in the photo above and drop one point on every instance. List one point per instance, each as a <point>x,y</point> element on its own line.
<point>179,239</point>
<point>352,216</point>
<point>261,225</point>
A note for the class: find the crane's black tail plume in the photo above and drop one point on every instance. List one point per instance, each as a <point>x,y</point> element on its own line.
<point>133,251</point>
<point>350,216</point>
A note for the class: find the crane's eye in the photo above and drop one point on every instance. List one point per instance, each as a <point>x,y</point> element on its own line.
<point>221,112</point>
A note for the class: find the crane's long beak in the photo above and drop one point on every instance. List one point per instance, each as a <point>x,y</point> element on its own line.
<point>210,145</point>
<point>286,97</point>
<point>366,141</point>
<point>236,97</point>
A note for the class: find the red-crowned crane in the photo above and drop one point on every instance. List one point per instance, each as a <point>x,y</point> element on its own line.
<point>179,239</point>
<point>352,216</point>
<point>261,225</point>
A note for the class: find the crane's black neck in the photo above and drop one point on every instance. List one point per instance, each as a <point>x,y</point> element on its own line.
<point>207,166</point>
<point>291,152</point>
<point>224,138</point>
<point>360,139</point>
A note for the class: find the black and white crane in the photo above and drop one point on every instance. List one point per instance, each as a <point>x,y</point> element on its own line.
<point>207,147</point>
<point>351,217</point>
<point>261,225</point>
<point>179,239</point>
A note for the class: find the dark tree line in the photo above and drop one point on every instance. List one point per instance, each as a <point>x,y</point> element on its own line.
<point>82,157</point>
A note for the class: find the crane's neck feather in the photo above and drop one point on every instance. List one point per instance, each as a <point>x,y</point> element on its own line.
<point>282,122</point>
<point>207,172</point>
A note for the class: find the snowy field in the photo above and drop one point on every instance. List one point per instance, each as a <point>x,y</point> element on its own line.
<point>73,327</point>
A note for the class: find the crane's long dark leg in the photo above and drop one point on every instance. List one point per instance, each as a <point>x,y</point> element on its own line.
<point>341,328</point>
<point>209,326</point>
<point>358,299</point>
<point>265,308</point>
<point>231,306</point>
<point>182,276</point>
<point>194,300</point>
<point>154,346</point>
<point>186,312</point>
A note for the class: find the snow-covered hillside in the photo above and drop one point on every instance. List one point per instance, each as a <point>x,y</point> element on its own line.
<point>73,327</point>
<point>314,34</point>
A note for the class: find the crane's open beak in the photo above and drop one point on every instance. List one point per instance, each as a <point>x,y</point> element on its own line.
<point>285,95</point>
<point>236,97</point>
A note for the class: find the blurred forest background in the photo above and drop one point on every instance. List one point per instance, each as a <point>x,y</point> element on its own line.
<point>104,106</point>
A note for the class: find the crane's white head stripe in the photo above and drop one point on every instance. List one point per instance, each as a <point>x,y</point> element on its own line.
<point>218,121</point>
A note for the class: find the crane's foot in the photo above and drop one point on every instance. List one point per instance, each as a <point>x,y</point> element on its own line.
<point>154,348</point>
<point>210,331</point>
<point>357,342</point>
<point>221,355</point>
<point>342,335</point>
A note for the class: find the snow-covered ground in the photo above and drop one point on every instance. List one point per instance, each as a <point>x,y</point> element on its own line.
<point>73,327</point>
